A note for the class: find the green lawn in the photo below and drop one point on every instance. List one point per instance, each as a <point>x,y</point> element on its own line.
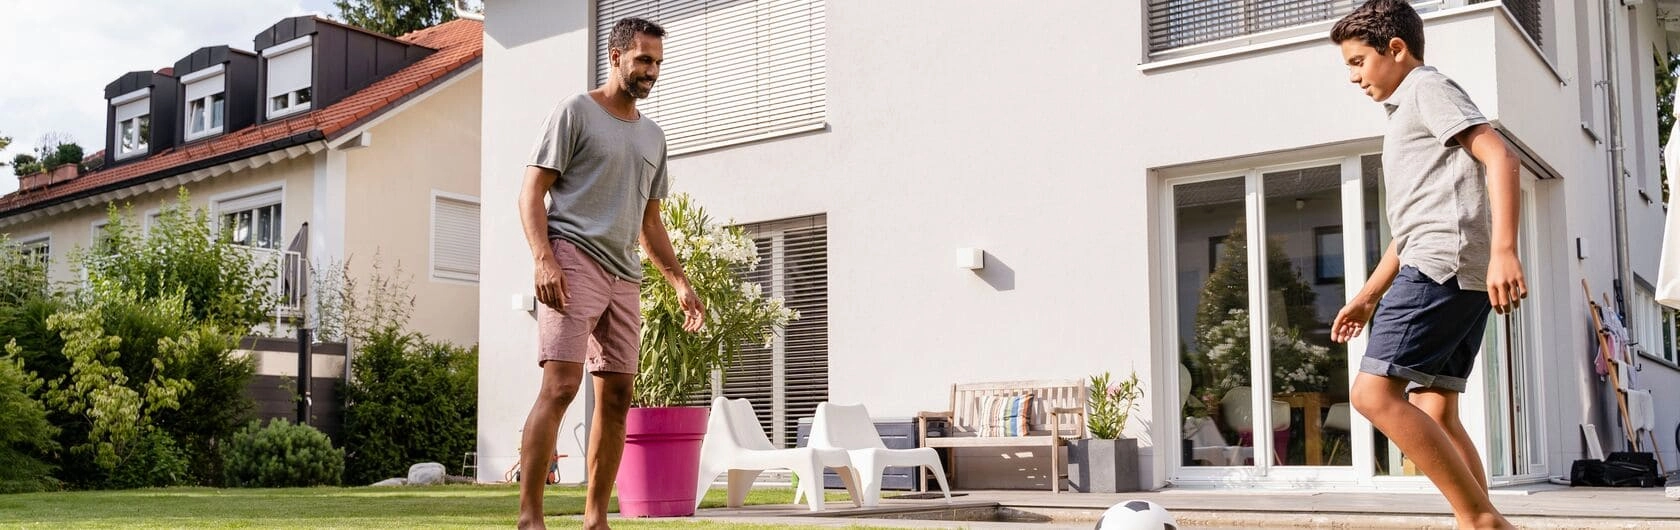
<point>461,506</point>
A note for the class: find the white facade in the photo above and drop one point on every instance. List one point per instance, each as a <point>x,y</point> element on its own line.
<point>1047,136</point>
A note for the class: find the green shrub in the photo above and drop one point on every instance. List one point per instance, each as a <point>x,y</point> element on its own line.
<point>409,400</point>
<point>25,164</point>
<point>69,153</point>
<point>282,455</point>
<point>222,282</point>
<point>155,461</point>
<point>25,434</point>
<point>21,277</point>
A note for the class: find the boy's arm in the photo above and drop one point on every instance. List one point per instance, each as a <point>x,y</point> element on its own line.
<point>1351,320</point>
<point>1506,286</point>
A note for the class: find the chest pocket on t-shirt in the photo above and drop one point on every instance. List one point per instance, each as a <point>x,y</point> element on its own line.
<point>645,180</point>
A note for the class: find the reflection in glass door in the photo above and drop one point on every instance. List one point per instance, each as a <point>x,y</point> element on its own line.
<point>1210,250</point>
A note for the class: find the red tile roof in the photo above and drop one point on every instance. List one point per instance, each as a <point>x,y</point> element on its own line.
<point>459,44</point>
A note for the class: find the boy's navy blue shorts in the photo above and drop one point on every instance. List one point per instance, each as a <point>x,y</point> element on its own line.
<point>1426,332</point>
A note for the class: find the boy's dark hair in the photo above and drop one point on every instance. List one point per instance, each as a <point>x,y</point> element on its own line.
<point>624,32</point>
<point>1378,21</point>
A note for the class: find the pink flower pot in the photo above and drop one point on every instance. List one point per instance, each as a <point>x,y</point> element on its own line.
<point>661,461</point>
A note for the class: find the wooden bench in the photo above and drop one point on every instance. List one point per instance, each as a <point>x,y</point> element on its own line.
<point>1057,414</point>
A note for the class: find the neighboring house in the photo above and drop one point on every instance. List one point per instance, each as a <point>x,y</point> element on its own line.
<point>1121,164</point>
<point>327,143</point>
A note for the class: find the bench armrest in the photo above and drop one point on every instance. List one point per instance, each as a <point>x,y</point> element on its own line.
<point>1067,410</point>
<point>935,414</point>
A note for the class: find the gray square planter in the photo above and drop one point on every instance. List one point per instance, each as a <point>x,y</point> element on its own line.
<point>1103,466</point>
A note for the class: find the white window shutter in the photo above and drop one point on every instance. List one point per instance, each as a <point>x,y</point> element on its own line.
<point>210,85</point>
<point>787,379</point>
<point>290,71</point>
<point>733,70</point>
<point>455,239</point>
<point>134,108</point>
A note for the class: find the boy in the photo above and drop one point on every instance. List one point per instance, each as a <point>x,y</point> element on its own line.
<point>1453,258</point>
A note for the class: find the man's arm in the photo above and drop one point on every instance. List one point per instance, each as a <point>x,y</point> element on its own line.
<point>550,280</point>
<point>657,244</point>
<point>1506,286</point>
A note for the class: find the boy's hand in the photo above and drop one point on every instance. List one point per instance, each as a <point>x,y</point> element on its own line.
<point>1506,286</point>
<point>1350,322</point>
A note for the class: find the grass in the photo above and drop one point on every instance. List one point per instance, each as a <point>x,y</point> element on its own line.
<point>458,506</point>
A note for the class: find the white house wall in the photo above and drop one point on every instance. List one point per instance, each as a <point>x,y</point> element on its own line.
<point>1037,137</point>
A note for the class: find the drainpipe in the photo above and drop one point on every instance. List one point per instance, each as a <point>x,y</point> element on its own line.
<point>1618,160</point>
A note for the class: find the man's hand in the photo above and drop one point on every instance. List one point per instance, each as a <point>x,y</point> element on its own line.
<point>551,285</point>
<point>1506,286</point>
<point>694,311</point>
<point>1351,320</point>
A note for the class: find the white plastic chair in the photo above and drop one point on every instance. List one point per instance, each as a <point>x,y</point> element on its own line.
<point>1237,410</point>
<point>735,444</point>
<point>848,427</point>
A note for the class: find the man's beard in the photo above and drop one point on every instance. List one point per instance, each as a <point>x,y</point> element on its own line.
<point>634,88</point>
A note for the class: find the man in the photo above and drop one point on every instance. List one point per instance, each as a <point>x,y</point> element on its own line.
<point>602,165</point>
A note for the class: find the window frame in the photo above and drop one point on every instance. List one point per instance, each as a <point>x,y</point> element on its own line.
<point>120,120</point>
<point>436,275</point>
<point>298,99</point>
<point>250,200</point>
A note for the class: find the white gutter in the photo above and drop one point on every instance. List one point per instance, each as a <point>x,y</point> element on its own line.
<point>461,11</point>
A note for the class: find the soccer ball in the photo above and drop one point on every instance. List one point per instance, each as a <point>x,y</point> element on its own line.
<point>1136,515</point>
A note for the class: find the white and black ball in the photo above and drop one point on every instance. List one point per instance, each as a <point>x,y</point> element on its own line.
<point>1136,515</point>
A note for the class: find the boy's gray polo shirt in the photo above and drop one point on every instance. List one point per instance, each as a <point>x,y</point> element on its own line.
<point>1437,194</point>
<point>609,169</point>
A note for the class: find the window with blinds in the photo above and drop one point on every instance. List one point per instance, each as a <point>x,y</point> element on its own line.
<point>454,239</point>
<point>1176,24</point>
<point>786,380</point>
<point>735,70</point>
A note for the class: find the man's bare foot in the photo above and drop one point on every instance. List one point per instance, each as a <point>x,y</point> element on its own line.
<point>595,523</point>
<point>528,523</point>
<point>1486,521</point>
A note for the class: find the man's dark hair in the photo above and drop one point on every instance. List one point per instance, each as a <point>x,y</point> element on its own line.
<point>624,32</point>
<point>1379,21</point>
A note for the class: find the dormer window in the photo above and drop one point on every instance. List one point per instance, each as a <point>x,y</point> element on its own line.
<point>290,77</point>
<point>133,123</point>
<point>206,94</point>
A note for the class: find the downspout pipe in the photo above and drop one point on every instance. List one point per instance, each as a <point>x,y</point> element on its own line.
<point>1618,160</point>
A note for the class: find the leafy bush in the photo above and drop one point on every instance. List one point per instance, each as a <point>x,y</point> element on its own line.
<point>349,309</point>
<point>155,461</point>
<point>21,277</point>
<point>25,434</point>
<point>69,153</point>
<point>282,455</point>
<point>409,400</point>
<point>677,365</point>
<point>25,164</point>
<point>222,282</point>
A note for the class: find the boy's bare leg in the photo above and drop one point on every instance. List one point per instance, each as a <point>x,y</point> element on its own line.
<point>560,382</point>
<point>1383,401</point>
<point>1442,406</point>
<point>606,443</point>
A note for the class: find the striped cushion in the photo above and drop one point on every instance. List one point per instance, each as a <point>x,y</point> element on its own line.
<point>1005,415</point>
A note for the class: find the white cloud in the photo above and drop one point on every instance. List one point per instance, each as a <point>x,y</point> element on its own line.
<point>60,54</point>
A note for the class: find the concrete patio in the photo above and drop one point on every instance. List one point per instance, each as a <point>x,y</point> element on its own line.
<point>1534,506</point>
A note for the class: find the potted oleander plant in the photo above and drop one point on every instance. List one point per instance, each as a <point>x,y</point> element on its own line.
<point>1107,461</point>
<point>662,435</point>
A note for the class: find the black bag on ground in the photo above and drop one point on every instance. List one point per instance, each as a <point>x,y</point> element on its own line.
<point>1630,469</point>
<point>1587,472</point>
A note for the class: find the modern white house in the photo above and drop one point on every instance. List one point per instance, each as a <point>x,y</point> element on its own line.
<point>1148,182</point>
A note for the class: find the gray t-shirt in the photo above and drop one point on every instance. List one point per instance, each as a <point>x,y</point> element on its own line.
<point>609,169</point>
<point>1437,195</point>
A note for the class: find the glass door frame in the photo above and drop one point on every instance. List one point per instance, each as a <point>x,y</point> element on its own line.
<point>1263,474</point>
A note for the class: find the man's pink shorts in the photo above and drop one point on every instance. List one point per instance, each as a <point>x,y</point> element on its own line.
<point>601,326</point>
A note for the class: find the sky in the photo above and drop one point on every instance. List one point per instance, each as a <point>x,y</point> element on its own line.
<point>56,56</point>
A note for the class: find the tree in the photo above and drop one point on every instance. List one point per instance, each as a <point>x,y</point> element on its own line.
<point>395,17</point>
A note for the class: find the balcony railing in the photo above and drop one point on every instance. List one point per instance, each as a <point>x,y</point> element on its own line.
<point>287,281</point>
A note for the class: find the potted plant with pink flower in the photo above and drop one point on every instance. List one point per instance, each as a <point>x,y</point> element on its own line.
<point>1107,462</point>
